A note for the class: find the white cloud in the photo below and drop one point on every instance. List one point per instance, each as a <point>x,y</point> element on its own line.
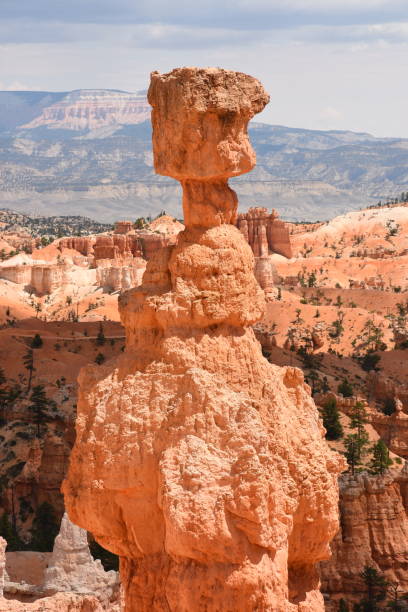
<point>15,86</point>
<point>323,6</point>
<point>331,113</point>
<point>322,72</point>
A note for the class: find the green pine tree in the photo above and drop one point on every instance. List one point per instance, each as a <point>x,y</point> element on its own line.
<point>376,586</point>
<point>9,533</point>
<point>28,361</point>
<point>381,460</point>
<point>100,338</point>
<point>38,405</point>
<point>370,361</point>
<point>36,342</point>
<point>358,418</point>
<point>352,452</point>
<point>345,388</point>
<point>331,420</point>
<point>100,358</point>
<point>356,443</point>
<point>343,605</point>
<point>388,407</point>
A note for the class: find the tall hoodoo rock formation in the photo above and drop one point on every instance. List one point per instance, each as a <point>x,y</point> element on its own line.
<point>72,568</point>
<point>265,232</point>
<point>202,465</point>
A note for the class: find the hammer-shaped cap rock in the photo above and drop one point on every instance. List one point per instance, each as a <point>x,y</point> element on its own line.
<point>200,118</point>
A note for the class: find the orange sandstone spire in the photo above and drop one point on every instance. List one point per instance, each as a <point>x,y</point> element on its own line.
<point>197,461</point>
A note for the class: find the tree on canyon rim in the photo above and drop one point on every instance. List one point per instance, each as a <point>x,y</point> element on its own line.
<point>358,418</point>
<point>381,460</point>
<point>345,388</point>
<point>356,443</point>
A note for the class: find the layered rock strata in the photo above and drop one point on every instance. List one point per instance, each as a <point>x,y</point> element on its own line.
<point>199,463</point>
<point>88,109</point>
<point>373,532</point>
<point>83,244</point>
<point>125,242</point>
<point>40,277</point>
<point>142,243</point>
<point>123,227</point>
<point>265,232</point>
<point>393,429</point>
<point>382,388</point>
<point>120,276</point>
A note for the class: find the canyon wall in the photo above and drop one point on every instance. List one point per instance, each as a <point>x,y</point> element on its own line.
<point>83,244</point>
<point>265,232</point>
<point>46,278</point>
<point>196,460</point>
<point>141,243</point>
<point>42,278</point>
<point>392,429</point>
<point>120,276</point>
<point>20,274</point>
<point>373,532</point>
<point>382,388</point>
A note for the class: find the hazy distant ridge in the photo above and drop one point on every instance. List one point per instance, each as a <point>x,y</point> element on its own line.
<point>89,152</point>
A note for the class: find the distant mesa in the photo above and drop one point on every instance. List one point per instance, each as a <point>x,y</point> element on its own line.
<point>305,173</point>
<point>88,109</point>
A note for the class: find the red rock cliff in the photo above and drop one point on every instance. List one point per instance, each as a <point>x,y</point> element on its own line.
<point>374,532</point>
<point>265,232</point>
<point>197,461</point>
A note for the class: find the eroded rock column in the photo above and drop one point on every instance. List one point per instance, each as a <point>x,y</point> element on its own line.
<point>199,463</point>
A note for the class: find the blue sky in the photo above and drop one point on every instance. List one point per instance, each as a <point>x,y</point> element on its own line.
<point>328,64</point>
